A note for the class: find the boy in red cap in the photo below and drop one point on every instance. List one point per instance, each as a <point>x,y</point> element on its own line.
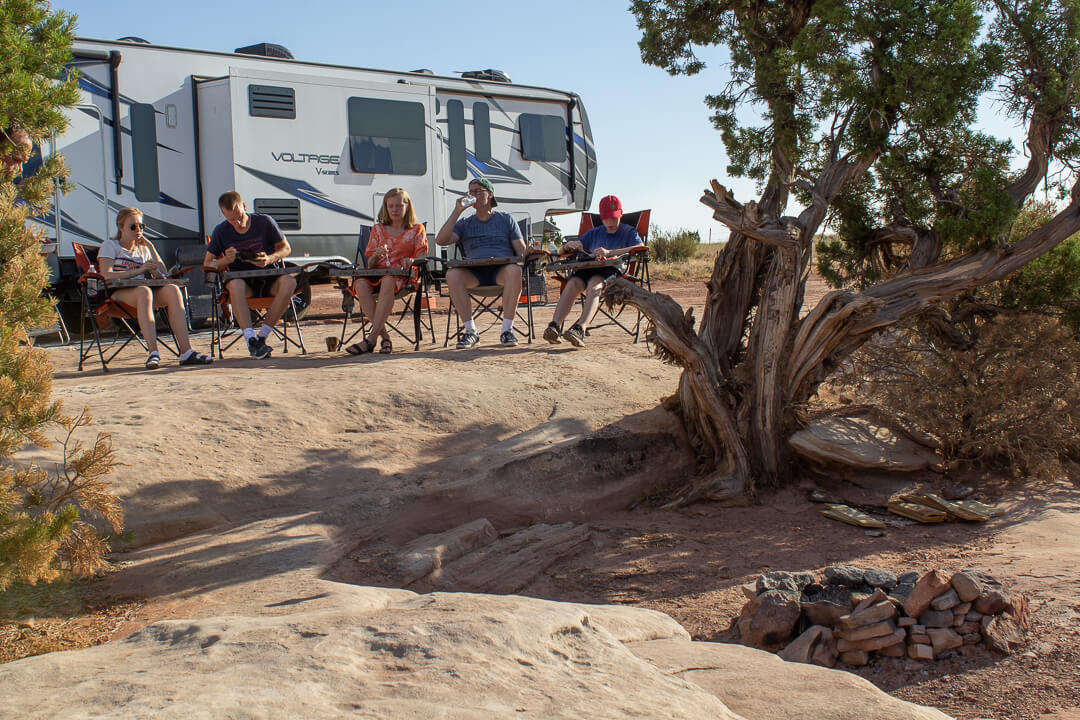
<point>610,239</point>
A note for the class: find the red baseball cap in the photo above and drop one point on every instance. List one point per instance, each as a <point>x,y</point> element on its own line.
<point>610,207</point>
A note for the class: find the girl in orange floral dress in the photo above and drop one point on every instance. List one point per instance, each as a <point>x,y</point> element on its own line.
<point>396,240</point>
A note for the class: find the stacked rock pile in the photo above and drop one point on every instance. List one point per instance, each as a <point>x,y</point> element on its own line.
<point>850,613</point>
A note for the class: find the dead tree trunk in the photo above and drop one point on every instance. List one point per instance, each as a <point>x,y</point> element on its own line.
<point>753,361</point>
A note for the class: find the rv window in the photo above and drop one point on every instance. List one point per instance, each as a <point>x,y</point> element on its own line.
<point>286,212</point>
<point>455,130</point>
<point>543,137</point>
<point>271,101</point>
<point>144,152</point>
<point>481,132</point>
<point>386,136</point>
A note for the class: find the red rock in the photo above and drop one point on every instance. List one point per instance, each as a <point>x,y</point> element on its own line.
<point>920,652</point>
<point>897,650</point>
<point>972,638</point>
<point>991,602</point>
<point>870,644</point>
<point>946,601</point>
<point>825,652</point>
<point>801,649</point>
<point>968,627</point>
<point>962,608</point>
<point>968,585</point>
<point>926,589</point>
<point>919,639</point>
<point>877,597</point>
<point>906,621</point>
<point>866,632</point>
<point>855,657</point>
<point>868,615</point>
<point>944,639</point>
<point>1003,634</point>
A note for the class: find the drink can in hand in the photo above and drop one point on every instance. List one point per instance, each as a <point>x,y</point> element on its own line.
<point>468,200</point>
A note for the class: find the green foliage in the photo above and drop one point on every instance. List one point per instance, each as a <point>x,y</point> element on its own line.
<point>896,81</point>
<point>1051,282</point>
<point>673,245</point>
<point>41,528</point>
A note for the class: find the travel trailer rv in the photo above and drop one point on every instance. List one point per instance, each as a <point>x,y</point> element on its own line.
<point>314,145</point>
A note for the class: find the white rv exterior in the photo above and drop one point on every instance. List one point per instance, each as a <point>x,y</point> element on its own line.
<point>168,130</point>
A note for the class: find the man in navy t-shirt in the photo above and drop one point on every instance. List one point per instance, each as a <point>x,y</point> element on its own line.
<point>248,242</point>
<point>487,234</point>
<point>611,239</point>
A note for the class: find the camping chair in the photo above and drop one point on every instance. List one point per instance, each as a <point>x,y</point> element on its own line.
<point>105,314</point>
<point>414,295</point>
<point>636,271</point>
<point>487,299</point>
<point>225,331</point>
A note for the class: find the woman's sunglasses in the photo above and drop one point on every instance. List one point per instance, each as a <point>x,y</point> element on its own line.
<point>140,226</point>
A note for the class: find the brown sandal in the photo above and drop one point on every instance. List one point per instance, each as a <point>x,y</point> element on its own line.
<point>386,347</point>
<point>361,348</point>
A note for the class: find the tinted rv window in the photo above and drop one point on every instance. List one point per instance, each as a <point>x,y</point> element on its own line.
<point>543,137</point>
<point>455,130</point>
<point>386,136</point>
<point>271,101</point>
<point>481,132</point>
<point>144,152</point>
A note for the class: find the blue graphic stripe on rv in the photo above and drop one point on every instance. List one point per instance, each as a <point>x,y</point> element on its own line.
<point>95,88</point>
<point>69,225</point>
<point>304,191</point>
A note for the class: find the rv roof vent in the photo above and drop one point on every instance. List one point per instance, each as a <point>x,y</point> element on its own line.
<point>424,71</point>
<point>266,50</point>
<point>132,38</point>
<point>489,74</point>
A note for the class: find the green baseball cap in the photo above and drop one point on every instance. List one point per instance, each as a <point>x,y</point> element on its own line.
<point>486,184</point>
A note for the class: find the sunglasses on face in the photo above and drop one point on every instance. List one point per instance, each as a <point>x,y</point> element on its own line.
<point>140,226</point>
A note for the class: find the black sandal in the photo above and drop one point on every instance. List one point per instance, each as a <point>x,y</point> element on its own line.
<point>153,360</point>
<point>361,348</point>
<point>386,347</point>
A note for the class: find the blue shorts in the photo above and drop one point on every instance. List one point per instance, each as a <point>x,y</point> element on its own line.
<point>486,275</point>
<point>586,275</point>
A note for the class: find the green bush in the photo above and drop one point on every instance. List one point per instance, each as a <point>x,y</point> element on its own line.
<point>673,245</point>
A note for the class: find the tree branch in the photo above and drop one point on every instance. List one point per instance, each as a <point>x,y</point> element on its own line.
<point>747,220</point>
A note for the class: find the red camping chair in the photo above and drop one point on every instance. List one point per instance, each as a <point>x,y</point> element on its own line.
<point>105,314</point>
<point>637,270</point>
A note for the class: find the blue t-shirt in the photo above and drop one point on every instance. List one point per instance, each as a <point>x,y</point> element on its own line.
<point>624,236</point>
<point>489,239</point>
<point>263,235</point>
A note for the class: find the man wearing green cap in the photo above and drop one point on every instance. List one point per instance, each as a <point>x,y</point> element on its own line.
<point>485,234</point>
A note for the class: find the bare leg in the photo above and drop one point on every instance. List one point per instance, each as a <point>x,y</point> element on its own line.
<point>574,287</point>
<point>592,301</point>
<point>510,278</point>
<point>283,289</point>
<point>458,281</point>
<point>143,301</point>
<point>376,311</point>
<point>169,297</point>
<point>238,295</point>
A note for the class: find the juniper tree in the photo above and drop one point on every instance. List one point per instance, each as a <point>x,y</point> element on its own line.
<point>39,509</point>
<point>865,124</point>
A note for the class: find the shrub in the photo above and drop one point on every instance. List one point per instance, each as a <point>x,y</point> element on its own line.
<point>673,245</point>
<point>1012,400</point>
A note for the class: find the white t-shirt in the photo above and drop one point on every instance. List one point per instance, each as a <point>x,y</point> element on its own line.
<point>125,259</point>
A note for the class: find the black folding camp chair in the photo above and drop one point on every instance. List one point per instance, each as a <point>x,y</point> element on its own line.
<point>487,299</point>
<point>225,331</point>
<point>413,295</point>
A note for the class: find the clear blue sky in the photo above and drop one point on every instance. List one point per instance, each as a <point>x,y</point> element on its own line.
<point>654,143</point>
